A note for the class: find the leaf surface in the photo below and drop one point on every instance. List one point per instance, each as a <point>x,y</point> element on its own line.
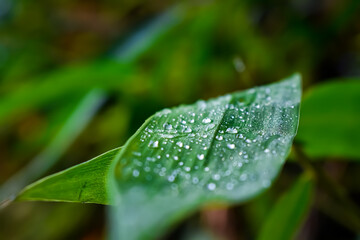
<point>330,117</point>
<point>225,150</point>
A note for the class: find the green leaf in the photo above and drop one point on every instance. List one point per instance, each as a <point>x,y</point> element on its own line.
<point>226,150</point>
<point>289,211</point>
<point>330,117</point>
<point>85,183</point>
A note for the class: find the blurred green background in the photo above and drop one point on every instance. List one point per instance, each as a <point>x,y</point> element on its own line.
<point>77,78</point>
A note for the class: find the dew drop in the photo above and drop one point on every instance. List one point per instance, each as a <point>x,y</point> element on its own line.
<point>137,154</point>
<point>151,159</point>
<point>219,137</point>
<point>229,186</point>
<point>211,186</point>
<point>216,177</point>
<point>206,120</point>
<point>231,146</point>
<point>171,178</point>
<point>154,144</point>
<point>166,111</point>
<point>136,173</point>
<point>188,130</point>
<point>167,126</point>
<point>231,130</point>
<point>243,177</point>
<point>200,156</point>
<point>180,144</point>
<point>166,135</point>
<point>240,136</point>
<point>210,126</point>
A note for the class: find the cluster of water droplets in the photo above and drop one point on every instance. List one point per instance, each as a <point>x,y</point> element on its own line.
<point>215,146</point>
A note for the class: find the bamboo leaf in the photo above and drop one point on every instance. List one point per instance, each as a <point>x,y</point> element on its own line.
<point>226,150</point>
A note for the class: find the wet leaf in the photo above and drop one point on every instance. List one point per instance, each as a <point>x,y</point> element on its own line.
<point>289,211</point>
<point>330,118</point>
<point>85,183</point>
<point>226,150</point>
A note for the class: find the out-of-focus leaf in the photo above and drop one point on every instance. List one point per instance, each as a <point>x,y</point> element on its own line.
<point>227,149</point>
<point>60,84</point>
<point>146,36</point>
<point>289,211</point>
<point>84,183</point>
<point>72,127</point>
<point>330,120</point>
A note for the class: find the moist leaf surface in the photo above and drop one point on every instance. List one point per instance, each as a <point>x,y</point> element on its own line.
<point>225,150</point>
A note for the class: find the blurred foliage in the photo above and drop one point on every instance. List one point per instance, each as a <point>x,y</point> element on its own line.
<point>330,120</point>
<point>289,211</point>
<point>54,52</point>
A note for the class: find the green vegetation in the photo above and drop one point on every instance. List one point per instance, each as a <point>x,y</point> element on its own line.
<point>78,79</point>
